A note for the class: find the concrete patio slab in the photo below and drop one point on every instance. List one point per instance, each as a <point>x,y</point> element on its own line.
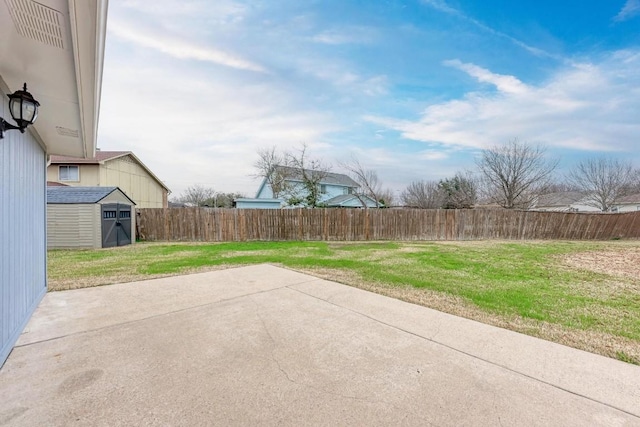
<point>263,345</point>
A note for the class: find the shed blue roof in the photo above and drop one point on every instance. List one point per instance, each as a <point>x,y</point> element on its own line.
<point>80,195</point>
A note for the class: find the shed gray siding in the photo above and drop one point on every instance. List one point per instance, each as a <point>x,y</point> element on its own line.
<point>22,231</point>
<point>73,226</point>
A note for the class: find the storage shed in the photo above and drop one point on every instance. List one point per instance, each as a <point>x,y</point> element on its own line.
<point>89,217</point>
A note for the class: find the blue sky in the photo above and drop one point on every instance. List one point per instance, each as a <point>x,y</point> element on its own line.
<point>414,89</point>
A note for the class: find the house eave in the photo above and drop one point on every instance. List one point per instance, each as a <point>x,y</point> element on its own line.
<point>66,77</point>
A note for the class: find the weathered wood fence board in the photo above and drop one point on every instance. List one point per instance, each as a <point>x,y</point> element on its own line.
<point>228,225</point>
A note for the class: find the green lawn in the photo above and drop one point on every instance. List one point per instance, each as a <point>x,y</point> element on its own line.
<point>522,286</point>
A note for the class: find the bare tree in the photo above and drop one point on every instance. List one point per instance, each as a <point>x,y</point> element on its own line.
<point>367,179</point>
<point>310,173</point>
<point>459,192</point>
<point>270,167</point>
<point>197,195</point>
<point>516,172</point>
<point>387,197</point>
<point>423,195</point>
<point>604,180</point>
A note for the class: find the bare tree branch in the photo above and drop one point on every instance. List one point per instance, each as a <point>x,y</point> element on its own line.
<point>269,167</point>
<point>197,195</point>
<point>516,172</point>
<point>311,172</point>
<point>604,180</point>
<point>367,179</point>
<point>423,195</point>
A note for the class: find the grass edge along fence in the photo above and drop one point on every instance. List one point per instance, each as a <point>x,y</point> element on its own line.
<point>236,225</point>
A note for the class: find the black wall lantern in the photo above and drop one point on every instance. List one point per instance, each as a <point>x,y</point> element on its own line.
<point>23,109</point>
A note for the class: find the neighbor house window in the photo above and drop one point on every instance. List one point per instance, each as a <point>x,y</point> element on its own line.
<point>323,188</point>
<point>68,173</point>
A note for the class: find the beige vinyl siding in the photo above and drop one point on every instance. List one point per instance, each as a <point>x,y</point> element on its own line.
<point>134,180</point>
<point>89,175</point>
<point>74,226</point>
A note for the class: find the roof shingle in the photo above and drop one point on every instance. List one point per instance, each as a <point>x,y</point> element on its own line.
<point>330,177</point>
<point>79,195</point>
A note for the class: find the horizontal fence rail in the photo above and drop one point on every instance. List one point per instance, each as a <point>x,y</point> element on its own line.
<point>235,225</point>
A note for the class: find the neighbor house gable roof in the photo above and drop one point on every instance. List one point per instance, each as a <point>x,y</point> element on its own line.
<point>294,174</point>
<point>562,198</point>
<point>101,158</point>
<point>330,178</point>
<point>80,195</point>
<point>631,199</point>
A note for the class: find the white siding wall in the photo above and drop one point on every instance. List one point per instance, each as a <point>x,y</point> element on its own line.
<point>629,208</point>
<point>22,231</point>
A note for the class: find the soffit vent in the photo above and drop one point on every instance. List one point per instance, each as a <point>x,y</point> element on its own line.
<point>74,133</point>
<point>37,21</point>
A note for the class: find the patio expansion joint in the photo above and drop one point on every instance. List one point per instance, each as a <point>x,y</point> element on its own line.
<point>291,378</point>
<point>432,340</point>
<point>168,313</point>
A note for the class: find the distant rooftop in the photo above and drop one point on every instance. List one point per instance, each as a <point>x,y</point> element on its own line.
<point>330,178</point>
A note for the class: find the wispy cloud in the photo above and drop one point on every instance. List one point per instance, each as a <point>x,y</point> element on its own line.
<point>584,107</point>
<point>442,6</point>
<point>630,10</point>
<point>180,49</point>
<point>206,132</point>
<point>506,84</point>
<point>338,74</point>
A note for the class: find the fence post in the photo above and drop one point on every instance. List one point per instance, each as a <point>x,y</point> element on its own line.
<point>367,232</point>
<point>165,224</point>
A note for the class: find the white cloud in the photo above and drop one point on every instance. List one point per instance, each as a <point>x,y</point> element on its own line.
<point>630,10</point>
<point>180,49</point>
<point>397,167</point>
<point>192,130</point>
<point>507,84</point>
<point>340,76</point>
<point>584,107</point>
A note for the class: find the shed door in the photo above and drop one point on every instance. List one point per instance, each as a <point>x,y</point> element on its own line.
<point>116,225</point>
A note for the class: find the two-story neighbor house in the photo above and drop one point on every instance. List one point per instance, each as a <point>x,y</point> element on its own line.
<point>57,48</point>
<point>336,190</point>
<point>120,169</point>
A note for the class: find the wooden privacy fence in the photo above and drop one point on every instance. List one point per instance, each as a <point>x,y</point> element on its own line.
<point>230,225</point>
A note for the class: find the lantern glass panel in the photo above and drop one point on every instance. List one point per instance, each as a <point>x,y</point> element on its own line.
<point>29,111</point>
<point>15,107</point>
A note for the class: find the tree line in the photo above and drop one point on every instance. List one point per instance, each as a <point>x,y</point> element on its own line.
<point>512,175</point>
